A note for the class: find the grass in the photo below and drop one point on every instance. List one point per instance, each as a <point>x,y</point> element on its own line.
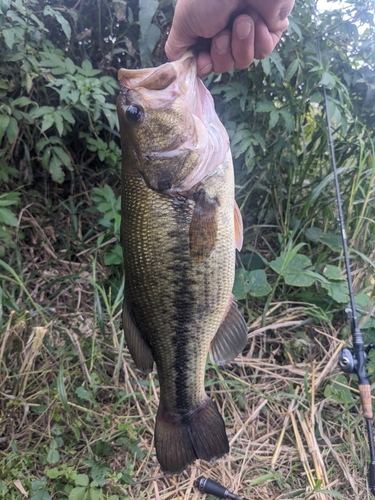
<point>77,419</point>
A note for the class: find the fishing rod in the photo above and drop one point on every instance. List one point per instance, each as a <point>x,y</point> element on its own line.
<point>352,360</point>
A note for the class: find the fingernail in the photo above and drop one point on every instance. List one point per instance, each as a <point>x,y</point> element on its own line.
<point>222,44</point>
<point>243,29</point>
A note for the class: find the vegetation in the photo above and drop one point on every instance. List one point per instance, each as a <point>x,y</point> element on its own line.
<point>76,417</point>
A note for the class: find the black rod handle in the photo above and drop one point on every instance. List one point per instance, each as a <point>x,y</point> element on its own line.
<point>211,487</point>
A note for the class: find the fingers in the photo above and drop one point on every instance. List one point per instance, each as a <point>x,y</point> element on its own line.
<point>264,40</point>
<point>243,33</point>
<point>221,53</point>
<point>254,33</point>
<point>204,64</point>
<point>234,49</point>
<point>178,43</point>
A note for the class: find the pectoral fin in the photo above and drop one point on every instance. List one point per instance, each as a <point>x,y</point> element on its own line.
<point>238,227</point>
<point>231,337</point>
<point>203,227</point>
<point>139,349</point>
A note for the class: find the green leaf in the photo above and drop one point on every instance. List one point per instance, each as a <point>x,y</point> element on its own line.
<point>22,101</point>
<point>70,66</point>
<point>241,284</point>
<point>58,122</point>
<point>274,118</point>
<point>299,261</point>
<point>12,130</point>
<point>331,493</point>
<point>253,282</point>
<point>96,494</point>
<point>48,11</point>
<point>313,234</point>
<point>298,278</point>
<point>293,270</point>
<point>266,65</point>
<point>53,456</point>
<point>82,480</point>
<point>63,157</point>
<point>327,80</point>
<point>83,393</point>
<point>288,120</point>
<point>277,265</point>
<point>258,286</point>
<point>333,273</point>
<point>9,35</point>
<point>7,217</point>
<point>55,169</point>
<point>46,158</point>
<point>265,107</point>
<point>147,10</point>
<point>47,122</point>
<point>41,495</point>
<point>337,291</point>
<point>148,43</point>
<point>149,33</point>
<point>338,391</point>
<point>276,59</point>
<point>331,240</point>
<point>86,66</point>
<point>114,257</point>
<point>42,111</point>
<point>78,493</point>
<point>67,115</point>
<point>62,390</point>
<point>291,70</point>
<point>52,60</point>
<point>3,489</point>
<point>54,473</point>
<point>4,122</point>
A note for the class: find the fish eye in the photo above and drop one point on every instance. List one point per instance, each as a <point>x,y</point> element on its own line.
<point>134,113</point>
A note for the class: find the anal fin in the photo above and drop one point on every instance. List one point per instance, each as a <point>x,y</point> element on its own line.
<point>231,337</point>
<point>140,351</point>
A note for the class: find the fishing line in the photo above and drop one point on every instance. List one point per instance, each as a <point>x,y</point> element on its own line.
<point>351,359</point>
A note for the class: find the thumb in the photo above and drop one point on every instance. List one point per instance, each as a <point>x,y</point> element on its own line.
<point>178,42</point>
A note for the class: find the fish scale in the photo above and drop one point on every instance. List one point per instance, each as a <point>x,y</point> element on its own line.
<point>162,284</point>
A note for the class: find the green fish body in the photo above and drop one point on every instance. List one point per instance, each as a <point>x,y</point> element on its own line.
<point>180,228</point>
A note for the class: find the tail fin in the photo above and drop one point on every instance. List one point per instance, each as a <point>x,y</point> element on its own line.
<point>181,439</point>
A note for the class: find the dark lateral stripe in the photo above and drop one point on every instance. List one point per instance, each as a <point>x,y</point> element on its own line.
<point>184,305</point>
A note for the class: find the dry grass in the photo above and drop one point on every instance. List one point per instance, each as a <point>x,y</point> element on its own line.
<point>288,440</point>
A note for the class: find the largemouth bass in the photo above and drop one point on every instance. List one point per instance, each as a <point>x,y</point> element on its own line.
<point>180,228</point>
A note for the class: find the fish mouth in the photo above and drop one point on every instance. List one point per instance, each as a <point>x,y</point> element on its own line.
<point>161,86</point>
<point>157,78</point>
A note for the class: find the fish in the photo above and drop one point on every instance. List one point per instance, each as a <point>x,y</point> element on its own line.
<point>180,228</point>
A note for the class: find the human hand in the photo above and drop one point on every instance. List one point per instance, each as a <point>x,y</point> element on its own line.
<point>256,29</point>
